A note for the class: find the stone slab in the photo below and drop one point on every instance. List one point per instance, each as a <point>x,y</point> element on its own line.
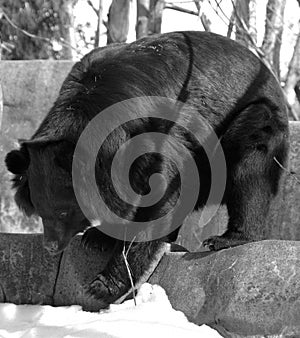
<point>248,290</point>
<point>27,272</point>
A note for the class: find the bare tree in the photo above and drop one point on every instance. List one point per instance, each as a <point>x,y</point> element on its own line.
<point>273,34</point>
<point>149,17</point>
<point>204,19</point>
<point>143,12</point>
<point>155,19</point>
<point>231,24</point>
<point>68,31</point>
<point>292,80</point>
<point>252,20</point>
<point>118,21</point>
<point>1,106</point>
<point>99,23</point>
<point>242,16</point>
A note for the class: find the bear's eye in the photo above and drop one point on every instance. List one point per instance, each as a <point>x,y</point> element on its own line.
<point>63,215</point>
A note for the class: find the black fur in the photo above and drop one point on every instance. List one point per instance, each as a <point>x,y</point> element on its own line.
<point>229,87</point>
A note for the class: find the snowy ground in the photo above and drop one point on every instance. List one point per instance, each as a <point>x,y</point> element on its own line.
<point>152,317</point>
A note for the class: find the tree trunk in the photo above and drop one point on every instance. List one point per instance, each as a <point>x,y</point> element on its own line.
<point>242,21</point>
<point>231,24</point>
<point>118,21</point>
<point>142,20</point>
<point>155,19</point>
<point>273,32</point>
<point>1,106</point>
<point>68,31</point>
<point>292,80</point>
<point>244,18</point>
<point>296,110</point>
<point>149,17</point>
<point>252,20</point>
<point>99,23</point>
<point>204,19</point>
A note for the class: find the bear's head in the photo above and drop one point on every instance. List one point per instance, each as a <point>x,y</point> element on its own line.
<point>43,183</point>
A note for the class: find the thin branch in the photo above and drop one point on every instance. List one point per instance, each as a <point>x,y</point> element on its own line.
<point>93,7</point>
<point>170,5</point>
<point>291,173</point>
<point>164,248</point>
<point>197,4</point>
<point>125,254</point>
<point>205,22</point>
<point>7,46</point>
<point>130,245</point>
<point>253,20</point>
<point>218,6</point>
<point>230,25</point>
<point>99,22</point>
<point>183,2</point>
<point>226,23</point>
<point>292,110</point>
<point>243,25</point>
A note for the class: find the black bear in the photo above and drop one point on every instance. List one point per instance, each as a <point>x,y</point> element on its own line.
<point>225,84</point>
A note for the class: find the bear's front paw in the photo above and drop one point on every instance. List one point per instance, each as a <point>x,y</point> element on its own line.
<point>107,288</point>
<point>216,243</point>
<point>94,239</point>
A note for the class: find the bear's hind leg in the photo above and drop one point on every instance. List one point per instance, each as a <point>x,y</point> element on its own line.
<point>251,145</point>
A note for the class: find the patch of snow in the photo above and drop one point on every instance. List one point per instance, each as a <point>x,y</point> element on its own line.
<point>152,317</point>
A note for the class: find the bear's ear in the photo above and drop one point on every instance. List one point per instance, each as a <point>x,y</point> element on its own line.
<point>17,161</point>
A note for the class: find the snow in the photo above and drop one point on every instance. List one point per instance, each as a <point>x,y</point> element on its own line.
<point>153,316</point>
